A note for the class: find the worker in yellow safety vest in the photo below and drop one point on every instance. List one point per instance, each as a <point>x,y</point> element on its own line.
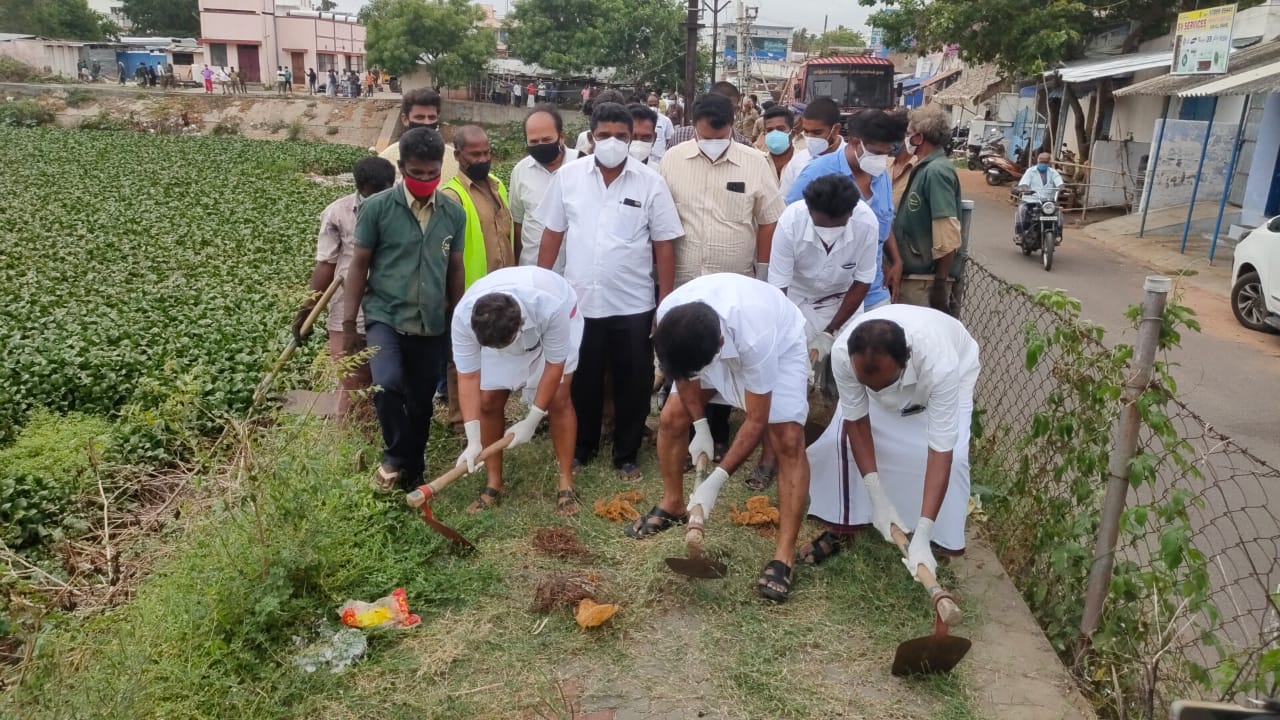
<point>489,244</point>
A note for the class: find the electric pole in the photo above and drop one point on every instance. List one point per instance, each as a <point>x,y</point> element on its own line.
<point>742,47</point>
<point>714,8</point>
<point>691,55</point>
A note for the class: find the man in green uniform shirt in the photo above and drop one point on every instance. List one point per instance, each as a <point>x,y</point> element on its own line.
<point>927,224</point>
<point>407,273</point>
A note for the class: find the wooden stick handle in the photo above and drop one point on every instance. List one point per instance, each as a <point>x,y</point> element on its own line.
<point>697,519</point>
<point>424,493</point>
<point>947,608</point>
<point>292,347</point>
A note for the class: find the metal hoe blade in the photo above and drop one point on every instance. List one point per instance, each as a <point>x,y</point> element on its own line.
<point>936,653</point>
<point>453,535</point>
<point>698,567</point>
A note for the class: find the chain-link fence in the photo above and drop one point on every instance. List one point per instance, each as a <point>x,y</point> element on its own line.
<point>1224,500</point>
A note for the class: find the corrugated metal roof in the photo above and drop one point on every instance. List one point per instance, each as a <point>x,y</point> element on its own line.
<point>1121,65</point>
<point>851,60</point>
<point>6,37</point>
<point>1245,59</point>
<point>974,82</point>
<point>1263,79</point>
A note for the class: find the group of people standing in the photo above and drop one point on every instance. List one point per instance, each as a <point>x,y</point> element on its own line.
<point>564,287</point>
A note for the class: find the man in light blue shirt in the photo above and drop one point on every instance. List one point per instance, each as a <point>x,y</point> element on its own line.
<point>866,160</point>
<point>1044,182</point>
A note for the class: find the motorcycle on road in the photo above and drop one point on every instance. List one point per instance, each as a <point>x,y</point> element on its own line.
<point>1042,228</point>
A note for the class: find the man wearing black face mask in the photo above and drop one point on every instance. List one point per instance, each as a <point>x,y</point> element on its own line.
<point>483,198</point>
<point>544,141</point>
<point>421,108</point>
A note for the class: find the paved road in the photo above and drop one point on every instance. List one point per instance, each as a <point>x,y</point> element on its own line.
<point>1228,375</point>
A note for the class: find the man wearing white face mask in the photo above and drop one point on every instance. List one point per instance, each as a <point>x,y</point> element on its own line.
<point>616,220</point>
<point>517,329</point>
<point>644,133</point>
<point>906,376</point>
<point>825,257</point>
<point>820,126</point>
<point>866,160</point>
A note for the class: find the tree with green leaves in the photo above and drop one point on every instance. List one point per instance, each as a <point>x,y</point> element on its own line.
<point>1020,37</point>
<point>1026,39</point>
<point>60,19</point>
<point>440,34</point>
<point>644,40</point>
<point>802,40</point>
<point>840,37</point>
<point>176,18</point>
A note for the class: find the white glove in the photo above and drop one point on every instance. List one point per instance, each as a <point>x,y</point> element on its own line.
<point>707,491</point>
<point>471,453</point>
<point>822,342</point>
<point>523,430</point>
<point>918,552</point>
<point>883,514</point>
<point>762,271</point>
<point>702,443</point>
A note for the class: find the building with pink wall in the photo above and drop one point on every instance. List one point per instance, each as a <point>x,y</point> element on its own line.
<point>256,36</point>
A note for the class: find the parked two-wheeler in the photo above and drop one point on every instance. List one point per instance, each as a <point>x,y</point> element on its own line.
<point>990,146</point>
<point>1042,230</point>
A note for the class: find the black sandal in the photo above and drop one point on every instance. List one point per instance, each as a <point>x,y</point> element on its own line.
<point>821,548</point>
<point>567,503</point>
<point>775,582</point>
<point>656,521</point>
<point>487,500</point>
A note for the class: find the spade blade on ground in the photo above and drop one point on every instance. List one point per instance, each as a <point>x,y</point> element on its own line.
<point>937,653</point>
<point>700,568</point>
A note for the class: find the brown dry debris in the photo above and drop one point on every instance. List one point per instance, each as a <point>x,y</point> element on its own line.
<point>561,542</point>
<point>558,591</point>
<point>620,507</point>
<point>758,512</point>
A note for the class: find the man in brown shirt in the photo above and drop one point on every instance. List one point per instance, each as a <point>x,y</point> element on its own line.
<point>489,224</point>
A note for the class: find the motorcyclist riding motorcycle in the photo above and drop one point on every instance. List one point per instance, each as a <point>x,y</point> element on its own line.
<point>1044,182</point>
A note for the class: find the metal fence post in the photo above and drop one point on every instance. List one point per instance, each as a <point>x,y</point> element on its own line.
<point>1124,442</point>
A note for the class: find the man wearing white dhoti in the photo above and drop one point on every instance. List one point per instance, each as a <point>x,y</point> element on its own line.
<point>517,328</point>
<point>906,377</point>
<point>732,340</point>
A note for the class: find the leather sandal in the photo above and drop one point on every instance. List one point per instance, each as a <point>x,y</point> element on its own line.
<point>487,500</point>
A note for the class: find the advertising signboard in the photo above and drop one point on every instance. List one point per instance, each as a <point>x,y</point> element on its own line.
<point>1202,41</point>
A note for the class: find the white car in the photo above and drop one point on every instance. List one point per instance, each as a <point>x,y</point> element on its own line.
<point>1255,278</point>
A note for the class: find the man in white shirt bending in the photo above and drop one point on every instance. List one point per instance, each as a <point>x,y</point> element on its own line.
<point>519,329</point>
<point>906,376</point>
<point>733,340</point>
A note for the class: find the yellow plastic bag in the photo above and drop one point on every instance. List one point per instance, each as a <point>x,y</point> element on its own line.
<point>390,611</point>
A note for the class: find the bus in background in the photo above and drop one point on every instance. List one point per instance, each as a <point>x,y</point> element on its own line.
<point>855,82</point>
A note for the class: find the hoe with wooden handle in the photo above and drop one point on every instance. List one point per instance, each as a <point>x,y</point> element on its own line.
<point>941,651</point>
<point>421,497</point>
<point>695,565</point>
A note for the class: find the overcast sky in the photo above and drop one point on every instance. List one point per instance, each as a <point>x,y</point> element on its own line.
<point>797,13</point>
